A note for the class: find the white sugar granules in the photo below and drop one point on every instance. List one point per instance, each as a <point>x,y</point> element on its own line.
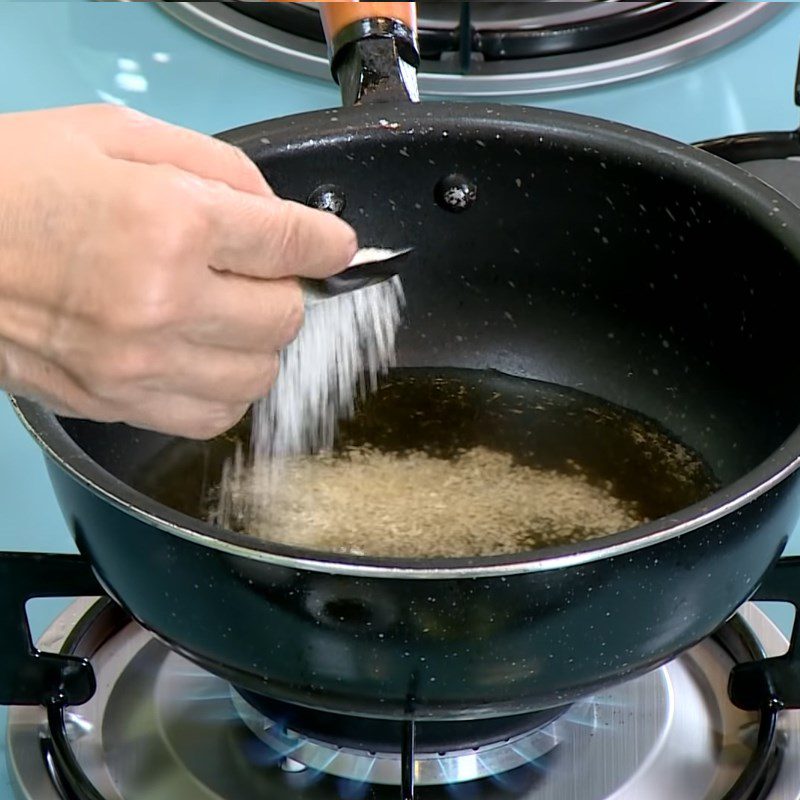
<point>367,502</point>
<point>345,343</point>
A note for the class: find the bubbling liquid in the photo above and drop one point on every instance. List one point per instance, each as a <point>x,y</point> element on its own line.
<point>440,463</point>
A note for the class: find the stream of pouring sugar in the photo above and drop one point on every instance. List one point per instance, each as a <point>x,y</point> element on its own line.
<point>346,343</point>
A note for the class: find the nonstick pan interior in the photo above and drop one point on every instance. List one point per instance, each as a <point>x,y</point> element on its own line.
<point>591,261</point>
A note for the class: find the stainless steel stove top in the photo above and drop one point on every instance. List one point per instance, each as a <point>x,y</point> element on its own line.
<point>159,727</point>
<point>514,48</point>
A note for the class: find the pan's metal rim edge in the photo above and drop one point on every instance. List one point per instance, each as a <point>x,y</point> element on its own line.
<point>776,467</point>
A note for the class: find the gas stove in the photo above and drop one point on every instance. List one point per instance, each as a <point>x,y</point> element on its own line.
<point>161,727</point>
<point>499,48</point>
<point>158,726</point>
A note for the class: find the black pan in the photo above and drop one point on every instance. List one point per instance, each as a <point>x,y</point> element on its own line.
<point>594,256</point>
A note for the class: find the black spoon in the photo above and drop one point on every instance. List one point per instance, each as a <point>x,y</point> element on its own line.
<point>370,265</point>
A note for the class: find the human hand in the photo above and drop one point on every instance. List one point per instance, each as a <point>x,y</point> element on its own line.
<point>147,272</point>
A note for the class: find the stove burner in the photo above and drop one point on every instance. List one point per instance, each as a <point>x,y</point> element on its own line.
<point>500,31</point>
<point>498,48</point>
<point>161,727</point>
<point>381,735</point>
<point>445,753</point>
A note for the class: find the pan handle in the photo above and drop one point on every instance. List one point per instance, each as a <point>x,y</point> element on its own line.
<point>373,50</point>
<point>28,676</point>
<point>773,683</point>
<point>758,146</point>
<point>754,146</point>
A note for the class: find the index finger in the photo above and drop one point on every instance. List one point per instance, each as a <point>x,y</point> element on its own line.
<point>268,237</point>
